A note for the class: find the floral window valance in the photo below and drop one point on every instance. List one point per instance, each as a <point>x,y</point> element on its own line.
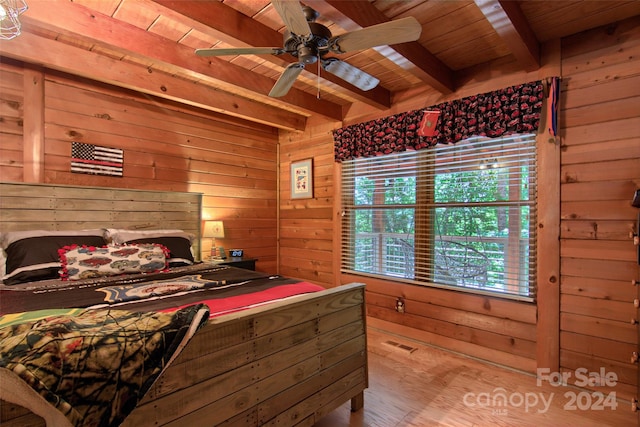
<point>502,112</point>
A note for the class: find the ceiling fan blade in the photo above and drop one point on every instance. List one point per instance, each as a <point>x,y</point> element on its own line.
<point>240,51</point>
<point>293,17</point>
<point>286,79</point>
<point>393,32</point>
<point>349,73</point>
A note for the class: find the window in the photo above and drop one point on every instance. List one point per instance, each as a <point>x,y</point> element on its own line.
<point>454,216</point>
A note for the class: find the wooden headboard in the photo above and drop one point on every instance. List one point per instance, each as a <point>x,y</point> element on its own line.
<point>25,206</point>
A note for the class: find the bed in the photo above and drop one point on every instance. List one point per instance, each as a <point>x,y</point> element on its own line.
<point>261,350</point>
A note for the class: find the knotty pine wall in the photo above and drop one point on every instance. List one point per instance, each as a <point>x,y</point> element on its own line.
<point>167,146</point>
<point>308,246</point>
<point>585,313</point>
<point>600,171</point>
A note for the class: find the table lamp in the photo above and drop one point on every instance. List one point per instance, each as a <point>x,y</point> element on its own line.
<point>214,230</point>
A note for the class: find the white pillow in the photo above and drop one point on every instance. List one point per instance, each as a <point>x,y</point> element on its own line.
<point>3,263</point>
<point>119,236</point>
<point>33,255</point>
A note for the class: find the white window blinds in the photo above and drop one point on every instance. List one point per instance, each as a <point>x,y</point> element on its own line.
<point>458,216</point>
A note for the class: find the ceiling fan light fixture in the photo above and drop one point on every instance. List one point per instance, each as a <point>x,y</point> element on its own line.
<point>318,38</point>
<point>10,10</point>
<point>307,55</point>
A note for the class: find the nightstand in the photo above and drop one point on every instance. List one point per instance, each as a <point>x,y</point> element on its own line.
<point>246,263</point>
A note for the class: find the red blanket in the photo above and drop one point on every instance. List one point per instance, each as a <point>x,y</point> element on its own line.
<point>220,306</point>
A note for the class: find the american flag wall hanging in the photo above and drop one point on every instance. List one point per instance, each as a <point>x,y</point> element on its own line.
<point>96,160</point>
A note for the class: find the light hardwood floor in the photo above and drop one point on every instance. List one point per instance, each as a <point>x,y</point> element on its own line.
<point>432,387</point>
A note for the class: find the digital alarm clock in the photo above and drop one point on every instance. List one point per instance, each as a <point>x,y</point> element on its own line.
<point>236,253</point>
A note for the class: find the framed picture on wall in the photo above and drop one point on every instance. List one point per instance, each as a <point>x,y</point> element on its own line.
<point>302,179</point>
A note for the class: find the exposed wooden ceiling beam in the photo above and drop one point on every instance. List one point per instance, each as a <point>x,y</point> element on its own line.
<point>507,19</point>
<point>356,14</point>
<point>63,57</point>
<point>78,21</point>
<point>225,23</point>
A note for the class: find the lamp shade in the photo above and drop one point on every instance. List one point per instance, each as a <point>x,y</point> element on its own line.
<point>213,229</point>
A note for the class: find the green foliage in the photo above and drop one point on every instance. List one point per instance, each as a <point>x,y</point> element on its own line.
<point>449,215</point>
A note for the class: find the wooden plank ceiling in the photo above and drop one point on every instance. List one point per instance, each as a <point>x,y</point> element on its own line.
<point>148,45</point>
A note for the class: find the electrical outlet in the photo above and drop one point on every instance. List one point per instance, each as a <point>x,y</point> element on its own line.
<point>400,305</point>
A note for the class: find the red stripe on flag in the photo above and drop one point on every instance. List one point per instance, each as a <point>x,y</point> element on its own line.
<point>96,162</point>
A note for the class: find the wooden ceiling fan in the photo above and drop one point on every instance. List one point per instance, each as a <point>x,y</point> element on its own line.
<point>310,42</point>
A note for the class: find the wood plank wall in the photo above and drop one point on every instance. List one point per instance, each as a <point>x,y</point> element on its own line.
<point>12,125</point>
<point>239,170</point>
<point>306,225</point>
<point>167,147</point>
<point>600,170</point>
<point>499,330</point>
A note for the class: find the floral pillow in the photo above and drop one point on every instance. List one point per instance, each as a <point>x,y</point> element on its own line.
<point>177,241</point>
<point>85,262</point>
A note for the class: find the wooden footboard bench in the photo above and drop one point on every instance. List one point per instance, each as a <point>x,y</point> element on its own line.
<point>288,365</point>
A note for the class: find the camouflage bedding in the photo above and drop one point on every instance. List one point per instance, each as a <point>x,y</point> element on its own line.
<point>91,349</point>
<point>94,366</point>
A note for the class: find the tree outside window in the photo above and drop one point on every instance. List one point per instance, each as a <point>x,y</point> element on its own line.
<point>452,216</point>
